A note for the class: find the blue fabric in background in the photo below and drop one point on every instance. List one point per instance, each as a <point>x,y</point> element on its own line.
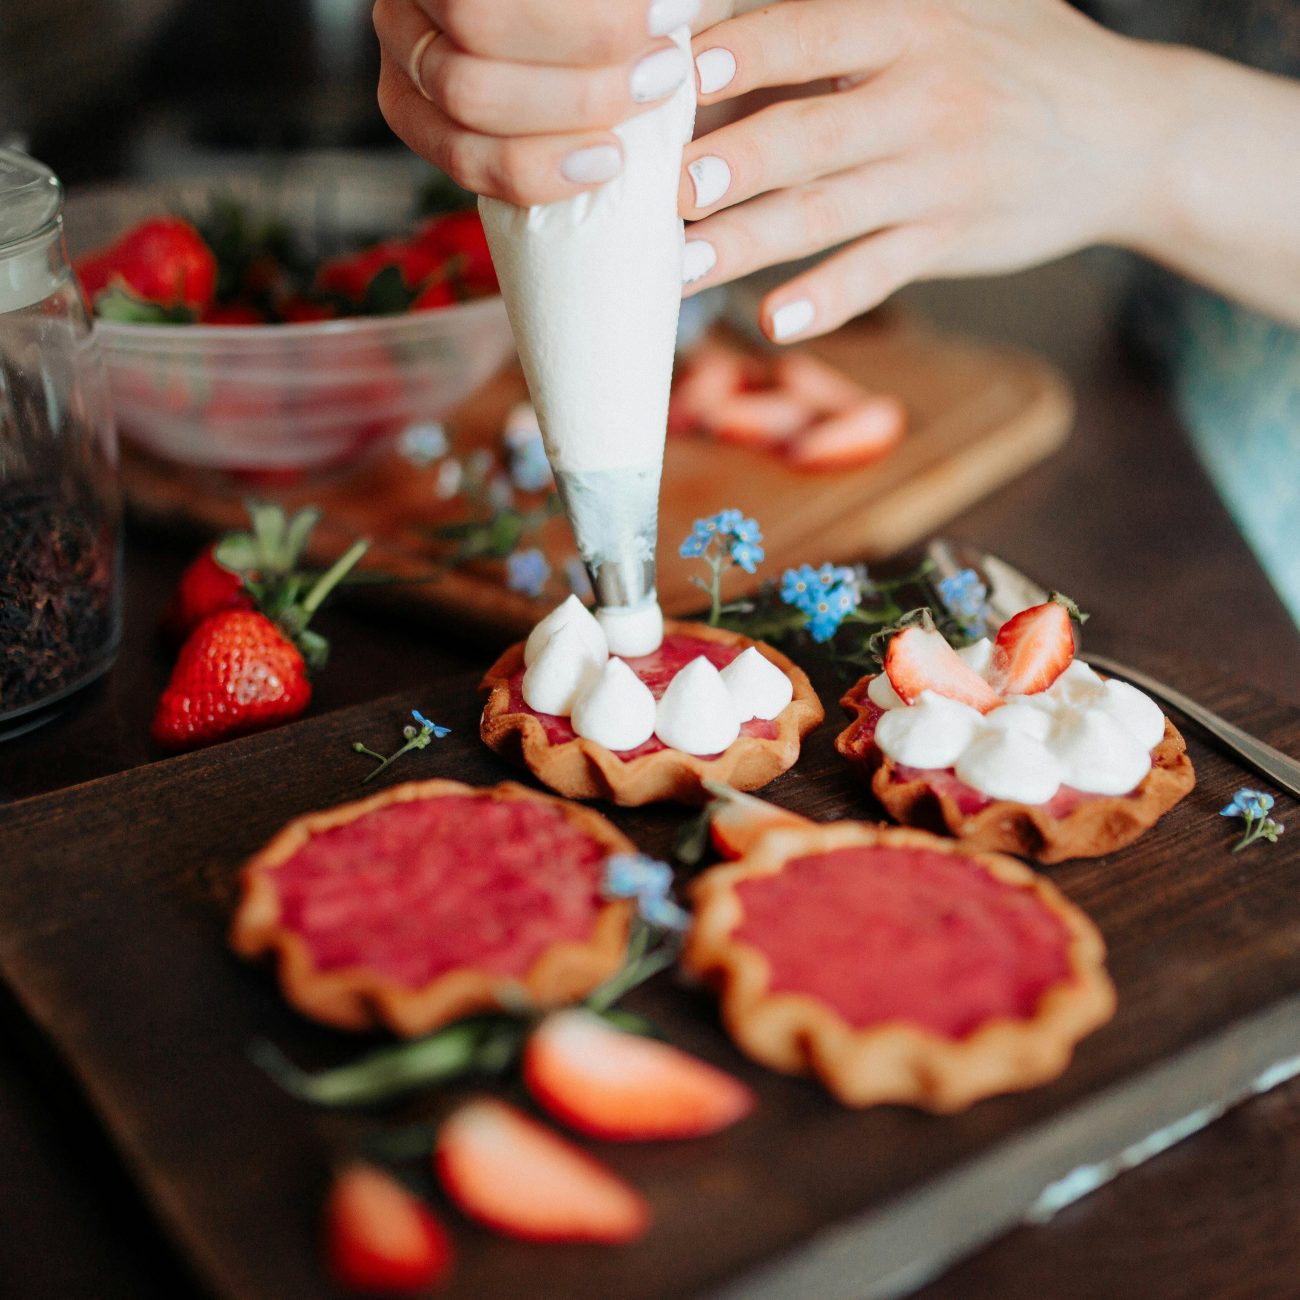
<point>1236,376</point>
<point>1235,373</point>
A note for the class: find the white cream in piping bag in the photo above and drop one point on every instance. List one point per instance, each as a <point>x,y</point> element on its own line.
<point>593,288</point>
<point>1093,735</point>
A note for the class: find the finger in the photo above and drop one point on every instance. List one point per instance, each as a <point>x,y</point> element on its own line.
<point>522,170</point>
<point>523,99</point>
<point>793,44</point>
<point>577,33</point>
<point>789,224</point>
<point>793,142</point>
<point>849,282</point>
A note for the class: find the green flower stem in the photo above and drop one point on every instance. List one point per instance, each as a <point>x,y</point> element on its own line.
<point>333,576</point>
<point>480,1045</point>
<point>420,740</point>
<point>716,565</point>
<point>641,963</point>
<point>630,977</point>
<point>1257,828</point>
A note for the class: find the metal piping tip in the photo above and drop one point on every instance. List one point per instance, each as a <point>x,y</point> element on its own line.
<point>622,583</point>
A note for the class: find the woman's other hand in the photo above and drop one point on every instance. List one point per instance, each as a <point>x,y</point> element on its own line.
<point>948,138</point>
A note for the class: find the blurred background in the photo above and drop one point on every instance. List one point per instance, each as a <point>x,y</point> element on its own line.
<point>102,89</point>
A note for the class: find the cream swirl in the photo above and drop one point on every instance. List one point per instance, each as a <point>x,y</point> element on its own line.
<point>1090,733</point>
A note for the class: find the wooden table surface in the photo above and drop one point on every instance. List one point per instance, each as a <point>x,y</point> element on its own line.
<point>1123,519</point>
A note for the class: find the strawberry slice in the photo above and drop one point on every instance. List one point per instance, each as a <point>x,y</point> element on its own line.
<point>855,436</point>
<point>513,1175</point>
<point>378,1237</point>
<point>920,659</point>
<point>1032,649</point>
<point>616,1086</point>
<point>736,821</point>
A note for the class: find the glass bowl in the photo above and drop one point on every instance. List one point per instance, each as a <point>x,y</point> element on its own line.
<point>264,398</point>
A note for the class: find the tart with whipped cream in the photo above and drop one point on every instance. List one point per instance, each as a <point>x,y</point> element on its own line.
<point>1014,744</point>
<point>432,901</point>
<point>707,704</point>
<point>896,966</point>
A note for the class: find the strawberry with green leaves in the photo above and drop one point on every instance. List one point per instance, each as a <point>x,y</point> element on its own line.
<point>245,669</point>
<point>159,269</point>
<point>205,588</point>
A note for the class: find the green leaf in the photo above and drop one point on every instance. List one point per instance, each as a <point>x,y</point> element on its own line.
<point>480,1044</point>
<point>631,1023</point>
<point>238,552</point>
<point>693,838</point>
<point>387,294</point>
<point>117,304</point>
<point>1060,598</point>
<point>314,647</point>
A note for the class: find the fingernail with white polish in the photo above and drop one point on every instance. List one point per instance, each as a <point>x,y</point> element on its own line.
<point>590,166</point>
<point>658,74</point>
<point>792,318</point>
<point>666,16</point>
<point>711,177</point>
<point>716,68</point>
<point>699,257</point>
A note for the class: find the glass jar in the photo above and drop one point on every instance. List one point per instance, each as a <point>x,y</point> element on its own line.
<point>60,511</point>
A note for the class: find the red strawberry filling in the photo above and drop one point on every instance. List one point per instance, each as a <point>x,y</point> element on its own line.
<point>414,890</point>
<point>882,934</point>
<point>944,781</point>
<point>656,670</point>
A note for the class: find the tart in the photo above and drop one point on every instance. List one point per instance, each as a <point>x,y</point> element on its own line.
<point>582,769</point>
<point>1071,824</point>
<point>432,901</point>
<point>896,966</point>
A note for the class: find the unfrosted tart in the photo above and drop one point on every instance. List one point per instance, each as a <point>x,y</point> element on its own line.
<point>435,900</point>
<point>548,747</point>
<point>1070,825</point>
<point>897,966</point>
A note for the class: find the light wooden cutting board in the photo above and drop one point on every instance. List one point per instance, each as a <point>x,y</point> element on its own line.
<point>978,415</point>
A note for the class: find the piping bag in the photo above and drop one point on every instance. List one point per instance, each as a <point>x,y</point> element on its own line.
<point>593,287</point>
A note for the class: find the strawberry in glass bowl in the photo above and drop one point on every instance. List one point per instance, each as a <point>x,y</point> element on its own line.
<point>279,323</point>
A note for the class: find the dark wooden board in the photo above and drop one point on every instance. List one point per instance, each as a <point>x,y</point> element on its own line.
<point>113,901</point>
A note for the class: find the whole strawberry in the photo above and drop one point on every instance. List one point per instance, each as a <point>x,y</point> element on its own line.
<point>237,673</point>
<point>206,588</point>
<point>244,670</point>
<point>161,260</point>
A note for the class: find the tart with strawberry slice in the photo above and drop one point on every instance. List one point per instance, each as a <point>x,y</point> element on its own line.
<point>637,730</point>
<point>896,966</point>
<point>1014,745</point>
<point>432,901</point>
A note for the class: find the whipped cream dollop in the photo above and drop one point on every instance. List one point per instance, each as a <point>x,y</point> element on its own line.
<point>565,667</point>
<point>570,613</point>
<point>1092,734</point>
<point>632,630</point>
<point>758,687</point>
<point>616,710</point>
<point>592,285</point>
<point>697,713</point>
<point>570,672</point>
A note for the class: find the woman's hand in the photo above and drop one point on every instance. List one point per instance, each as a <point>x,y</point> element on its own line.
<point>957,138</point>
<point>517,98</point>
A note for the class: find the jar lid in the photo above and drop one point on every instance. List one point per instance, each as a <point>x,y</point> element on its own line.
<point>30,196</point>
